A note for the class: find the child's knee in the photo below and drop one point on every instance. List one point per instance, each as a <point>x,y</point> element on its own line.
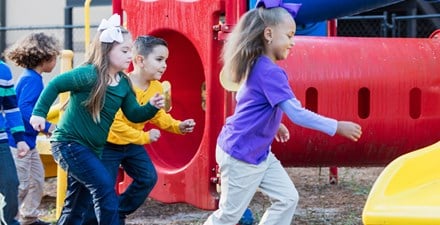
<point>148,180</point>
<point>290,199</point>
<point>294,198</point>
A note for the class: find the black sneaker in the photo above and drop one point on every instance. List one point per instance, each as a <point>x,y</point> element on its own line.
<point>39,222</point>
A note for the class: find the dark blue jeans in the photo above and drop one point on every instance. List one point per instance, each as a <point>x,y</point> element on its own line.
<point>138,165</point>
<point>8,184</point>
<point>87,178</point>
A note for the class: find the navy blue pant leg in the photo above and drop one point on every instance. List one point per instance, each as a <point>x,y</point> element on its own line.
<point>87,177</point>
<point>8,184</point>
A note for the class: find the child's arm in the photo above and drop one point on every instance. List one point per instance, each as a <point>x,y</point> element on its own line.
<point>122,131</point>
<point>15,122</point>
<point>305,118</point>
<point>166,122</point>
<point>137,113</point>
<point>28,99</point>
<point>77,79</point>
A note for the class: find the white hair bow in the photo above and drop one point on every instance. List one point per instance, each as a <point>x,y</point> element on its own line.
<point>111,30</point>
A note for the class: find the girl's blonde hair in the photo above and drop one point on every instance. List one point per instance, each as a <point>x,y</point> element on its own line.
<point>246,41</point>
<point>99,56</point>
<point>34,49</point>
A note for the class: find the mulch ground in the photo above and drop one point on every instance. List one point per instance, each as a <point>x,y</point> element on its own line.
<point>321,203</point>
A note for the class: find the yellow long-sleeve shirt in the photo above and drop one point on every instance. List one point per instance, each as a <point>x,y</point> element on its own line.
<point>124,131</point>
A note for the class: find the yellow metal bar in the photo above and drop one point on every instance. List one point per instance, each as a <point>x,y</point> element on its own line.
<point>66,64</point>
<point>87,24</point>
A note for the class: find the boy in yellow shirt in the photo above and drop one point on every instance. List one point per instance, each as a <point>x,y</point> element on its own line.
<point>126,140</point>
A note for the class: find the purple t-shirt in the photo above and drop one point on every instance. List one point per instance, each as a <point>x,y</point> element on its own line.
<point>249,132</point>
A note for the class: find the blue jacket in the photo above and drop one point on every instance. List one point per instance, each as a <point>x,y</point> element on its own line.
<point>28,89</point>
<point>11,115</point>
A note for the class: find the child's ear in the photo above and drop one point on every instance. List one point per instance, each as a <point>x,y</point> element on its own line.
<point>267,34</point>
<point>138,59</point>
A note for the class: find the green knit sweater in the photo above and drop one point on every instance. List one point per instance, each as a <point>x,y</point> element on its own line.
<point>77,123</point>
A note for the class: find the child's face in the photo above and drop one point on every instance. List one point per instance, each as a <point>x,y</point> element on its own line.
<point>120,56</point>
<point>49,65</point>
<point>282,39</point>
<point>155,63</point>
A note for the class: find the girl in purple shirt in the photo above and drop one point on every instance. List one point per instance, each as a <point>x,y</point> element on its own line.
<point>261,37</point>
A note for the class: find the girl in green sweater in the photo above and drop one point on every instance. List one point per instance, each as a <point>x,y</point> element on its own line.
<point>98,89</point>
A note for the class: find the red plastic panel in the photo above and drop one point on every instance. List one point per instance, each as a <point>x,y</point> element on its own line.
<point>186,163</point>
<point>388,85</point>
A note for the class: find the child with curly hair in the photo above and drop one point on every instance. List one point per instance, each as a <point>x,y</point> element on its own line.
<point>37,54</point>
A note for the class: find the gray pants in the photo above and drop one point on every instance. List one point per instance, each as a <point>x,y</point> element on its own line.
<point>240,181</point>
<point>30,173</point>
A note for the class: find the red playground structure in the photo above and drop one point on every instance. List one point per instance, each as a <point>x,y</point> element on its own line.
<point>388,85</point>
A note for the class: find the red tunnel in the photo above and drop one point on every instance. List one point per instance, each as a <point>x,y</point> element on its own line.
<point>389,86</point>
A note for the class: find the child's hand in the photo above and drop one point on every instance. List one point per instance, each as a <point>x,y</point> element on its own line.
<point>283,134</point>
<point>154,135</point>
<point>187,126</point>
<point>157,101</point>
<point>350,130</point>
<point>38,123</point>
<point>22,149</point>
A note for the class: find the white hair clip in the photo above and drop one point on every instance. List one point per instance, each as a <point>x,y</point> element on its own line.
<point>111,30</point>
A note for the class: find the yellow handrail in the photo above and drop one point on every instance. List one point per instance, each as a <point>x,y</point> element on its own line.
<point>66,64</point>
<point>87,25</point>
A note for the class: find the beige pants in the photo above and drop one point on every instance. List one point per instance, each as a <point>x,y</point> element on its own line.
<point>239,182</point>
<point>30,191</point>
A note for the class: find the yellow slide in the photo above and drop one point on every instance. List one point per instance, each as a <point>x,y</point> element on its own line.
<point>407,192</point>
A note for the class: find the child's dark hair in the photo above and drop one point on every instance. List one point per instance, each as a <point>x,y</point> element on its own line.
<point>144,44</point>
<point>246,41</point>
<point>34,49</point>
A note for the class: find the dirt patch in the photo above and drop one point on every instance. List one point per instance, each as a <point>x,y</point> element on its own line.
<point>321,203</point>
